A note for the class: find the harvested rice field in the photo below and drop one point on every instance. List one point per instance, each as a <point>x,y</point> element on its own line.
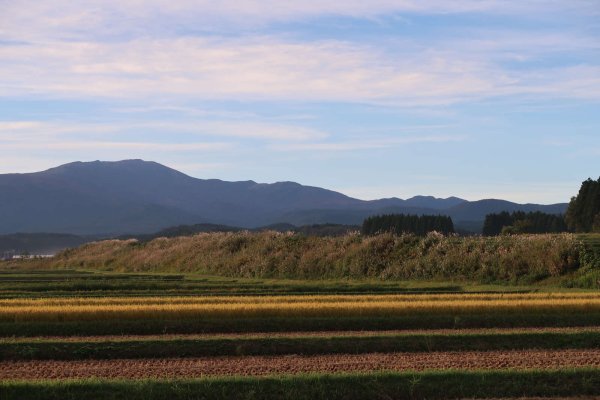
<point>207,338</point>
<point>294,364</point>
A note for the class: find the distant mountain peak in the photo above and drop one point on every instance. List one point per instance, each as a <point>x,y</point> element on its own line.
<point>423,197</point>
<point>122,166</point>
<point>434,202</point>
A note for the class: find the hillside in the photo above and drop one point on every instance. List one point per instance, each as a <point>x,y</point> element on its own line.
<point>135,196</point>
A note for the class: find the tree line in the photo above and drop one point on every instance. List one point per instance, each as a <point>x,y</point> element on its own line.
<point>522,222</point>
<point>401,223</point>
<point>583,215</point>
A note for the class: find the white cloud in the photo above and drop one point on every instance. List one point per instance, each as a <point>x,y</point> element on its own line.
<point>163,49</point>
<point>29,131</point>
<point>114,145</point>
<point>63,19</point>
<point>264,68</point>
<point>243,129</point>
<point>367,143</point>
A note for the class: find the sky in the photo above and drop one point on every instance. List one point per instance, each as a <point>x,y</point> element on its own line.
<point>379,98</point>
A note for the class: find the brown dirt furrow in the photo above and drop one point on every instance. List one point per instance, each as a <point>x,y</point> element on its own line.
<point>266,365</point>
<point>310,334</point>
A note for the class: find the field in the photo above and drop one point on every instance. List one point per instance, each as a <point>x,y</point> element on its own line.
<point>71,334</point>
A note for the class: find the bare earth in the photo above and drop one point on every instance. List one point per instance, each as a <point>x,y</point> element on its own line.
<point>268,365</point>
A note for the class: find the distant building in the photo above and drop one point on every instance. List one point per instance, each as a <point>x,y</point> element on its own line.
<point>12,255</point>
<point>30,256</point>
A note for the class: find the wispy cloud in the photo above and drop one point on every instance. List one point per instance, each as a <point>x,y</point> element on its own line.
<point>40,130</point>
<point>265,68</point>
<point>112,145</point>
<point>246,129</point>
<point>368,143</point>
<point>34,20</point>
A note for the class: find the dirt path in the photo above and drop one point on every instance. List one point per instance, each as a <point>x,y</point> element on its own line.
<point>110,338</point>
<point>264,365</point>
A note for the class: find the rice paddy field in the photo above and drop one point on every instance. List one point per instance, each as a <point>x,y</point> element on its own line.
<point>70,334</point>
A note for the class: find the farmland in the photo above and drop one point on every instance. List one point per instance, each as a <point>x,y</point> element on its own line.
<point>79,333</point>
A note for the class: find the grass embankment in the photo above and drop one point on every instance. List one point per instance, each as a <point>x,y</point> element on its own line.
<point>588,275</point>
<point>97,348</point>
<point>509,259</point>
<point>406,385</point>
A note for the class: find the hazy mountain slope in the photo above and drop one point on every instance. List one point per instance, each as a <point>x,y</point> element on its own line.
<point>433,202</point>
<point>467,216</point>
<point>136,196</point>
<point>38,243</point>
<point>477,210</point>
<point>73,201</point>
<point>348,216</point>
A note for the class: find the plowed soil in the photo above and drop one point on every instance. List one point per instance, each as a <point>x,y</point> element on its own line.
<point>265,365</point>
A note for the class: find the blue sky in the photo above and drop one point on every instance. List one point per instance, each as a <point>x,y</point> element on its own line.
<point>476,99</point>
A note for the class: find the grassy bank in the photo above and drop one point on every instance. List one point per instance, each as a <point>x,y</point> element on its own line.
<point>423,385</point>
<point>55,349</point>
<point>521,259</point>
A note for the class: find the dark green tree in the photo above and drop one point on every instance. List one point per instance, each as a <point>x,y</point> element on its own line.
<point>583,213</point>
<point>522,222</point>
<point>494,223</point>
<point>401,223</point>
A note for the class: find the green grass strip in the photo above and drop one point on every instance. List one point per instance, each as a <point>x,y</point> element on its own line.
<point>282,324</point>
<point>202,347</point>
<point>423,385</point>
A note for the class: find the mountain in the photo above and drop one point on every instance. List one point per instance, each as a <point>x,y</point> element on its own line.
<point>135,196</point>
<point>433,202</point>
<point>38,243</point>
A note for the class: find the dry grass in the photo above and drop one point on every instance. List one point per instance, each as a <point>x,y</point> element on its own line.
<point>400,298</point>
<point>291,306</point>
<point>522,259</point>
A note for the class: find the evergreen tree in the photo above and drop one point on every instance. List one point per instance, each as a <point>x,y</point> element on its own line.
<point>522,222</point>
<point>400,223</point>
<point>584,209</point>
<point>494,223</point>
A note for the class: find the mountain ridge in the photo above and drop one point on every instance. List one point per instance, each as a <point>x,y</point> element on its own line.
<point>101,197</point>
